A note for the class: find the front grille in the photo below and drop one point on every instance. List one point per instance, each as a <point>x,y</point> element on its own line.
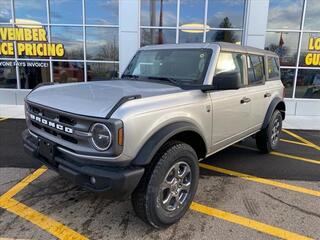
<point>56,117</point>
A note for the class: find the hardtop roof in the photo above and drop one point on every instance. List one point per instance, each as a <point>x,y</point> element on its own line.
<point>224,46</point>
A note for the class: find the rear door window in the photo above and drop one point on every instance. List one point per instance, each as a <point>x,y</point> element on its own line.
<point>273,68</point>
<point>256,73</point>
<point>230,62</point>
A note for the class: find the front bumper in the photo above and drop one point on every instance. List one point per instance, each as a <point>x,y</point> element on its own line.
<point>116,182</point>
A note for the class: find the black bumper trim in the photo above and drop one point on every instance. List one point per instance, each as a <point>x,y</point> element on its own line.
<point>115,182</point>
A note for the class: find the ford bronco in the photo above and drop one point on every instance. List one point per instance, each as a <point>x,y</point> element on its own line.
<point>144,134</point>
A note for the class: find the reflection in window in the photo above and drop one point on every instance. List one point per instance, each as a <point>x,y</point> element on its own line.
<point>285,14</point>
<point>67,72</point>
<point>5,12</point>
<point>102,43</point>
<point>230,62</point>
<point>185,36</point>
<point>285,45</point>
<point>102,71</point>
<point>8,78</point>
<point>256,73</point>
<point>192,11</point>
<point>287,78</point>
<point>159,13</point>
<point>71,38</point>
<point>157,36</point>
<point>220,10</point>
<point>308,84</point>
<point>102,12</point>
<point>33,73</point>
<point>312,20</point>
<point>224,36</point>
<point>66,11</point>
<point>31,10</point>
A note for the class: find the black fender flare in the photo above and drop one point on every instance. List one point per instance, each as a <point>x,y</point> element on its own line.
<point>274,103</point>
<point>154,143</point>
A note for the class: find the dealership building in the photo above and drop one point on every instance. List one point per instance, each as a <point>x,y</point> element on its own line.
<point>89,40</point>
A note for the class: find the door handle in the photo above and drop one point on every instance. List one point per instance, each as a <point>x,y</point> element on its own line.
<point>267,95</point>
<point>245,100</point>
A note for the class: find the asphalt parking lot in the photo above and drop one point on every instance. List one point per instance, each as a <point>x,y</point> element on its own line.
<point>242,194</point>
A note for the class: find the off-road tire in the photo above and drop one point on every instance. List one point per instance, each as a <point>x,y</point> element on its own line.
<point>145,198</point>
<point>264,138</point>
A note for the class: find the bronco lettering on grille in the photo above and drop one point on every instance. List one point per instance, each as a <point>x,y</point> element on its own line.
<point>51,124</point>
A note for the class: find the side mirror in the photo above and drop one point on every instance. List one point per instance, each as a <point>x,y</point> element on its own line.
<point>227,80</point>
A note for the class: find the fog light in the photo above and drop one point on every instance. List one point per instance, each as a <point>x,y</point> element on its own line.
<point>92,180</point>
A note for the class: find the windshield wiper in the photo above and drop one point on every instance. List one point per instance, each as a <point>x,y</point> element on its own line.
<point>171,80</point>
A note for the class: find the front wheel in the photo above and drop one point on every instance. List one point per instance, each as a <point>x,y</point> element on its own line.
<point>267,139</point>
<point>167,189</point>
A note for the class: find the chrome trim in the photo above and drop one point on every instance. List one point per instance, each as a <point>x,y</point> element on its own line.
<point>82,134</point>
<point>32,134</point>
<point>85,156</point>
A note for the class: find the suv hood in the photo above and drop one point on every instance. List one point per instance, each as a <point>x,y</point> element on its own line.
<point>95,99</point>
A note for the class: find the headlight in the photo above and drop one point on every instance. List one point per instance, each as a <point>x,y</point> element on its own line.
<point>101,136</point>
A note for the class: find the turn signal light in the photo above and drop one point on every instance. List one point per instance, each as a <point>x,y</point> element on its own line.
<point>120,136</point>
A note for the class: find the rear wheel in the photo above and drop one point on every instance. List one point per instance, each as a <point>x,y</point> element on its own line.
<point>267,139</point>
<point>168,187</point>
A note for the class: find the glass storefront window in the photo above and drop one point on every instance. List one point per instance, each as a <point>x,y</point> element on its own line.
<point>159,13</point>
<point>224,36</point>
<point>308,84</point>
<point>102,12</point>
<point>66,11</point>
<point>312,19</point>
<point>8,77</point>
<point>5,11</point>
<point>190,37</point>
<point>309,57</point>
<point>287,78</point>
<point>67,72</point>
<point>192,12</point>
<point>102,71</point>
<point>157,36</point>
<point>33,73</point>
<point>71,38</point>
<point>220,10</point>
<point>32,10</point>
<point>102,43</point>
<point>285,14</point>
<point>285,45</point>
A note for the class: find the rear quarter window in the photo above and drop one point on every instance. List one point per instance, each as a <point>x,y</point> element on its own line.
<point>273,68</point>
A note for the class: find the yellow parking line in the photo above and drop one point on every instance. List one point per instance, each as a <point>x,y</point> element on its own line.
<point>2,119</point>
<point>247,222</point>
<point>261,180</point>
<point>23,183</point>
<point>44,222</point>
<point>308,160</point>
<point>294,142</point>
<point>295,157</point>
<point>311,144</point>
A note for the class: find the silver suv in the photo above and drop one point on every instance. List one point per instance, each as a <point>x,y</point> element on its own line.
<point>144,134</point>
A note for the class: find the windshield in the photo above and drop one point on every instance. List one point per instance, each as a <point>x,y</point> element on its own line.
<point>174,66</point>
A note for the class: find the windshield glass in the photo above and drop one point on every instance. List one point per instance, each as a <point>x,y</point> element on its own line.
<point>175,66</point>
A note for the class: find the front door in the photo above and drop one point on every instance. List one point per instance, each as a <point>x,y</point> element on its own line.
<point>231,109</point>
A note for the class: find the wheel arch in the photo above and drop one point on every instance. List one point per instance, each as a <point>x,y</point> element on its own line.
<point>276,103</point>
<point>181,131</point>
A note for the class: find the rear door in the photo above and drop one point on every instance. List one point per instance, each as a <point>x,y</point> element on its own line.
<point>231,114</point>
<point>257,91</point>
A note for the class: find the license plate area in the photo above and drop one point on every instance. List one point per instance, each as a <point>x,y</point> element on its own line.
<point>46,149</point>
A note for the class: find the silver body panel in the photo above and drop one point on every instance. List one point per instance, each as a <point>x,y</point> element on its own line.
<point>227,122</point>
